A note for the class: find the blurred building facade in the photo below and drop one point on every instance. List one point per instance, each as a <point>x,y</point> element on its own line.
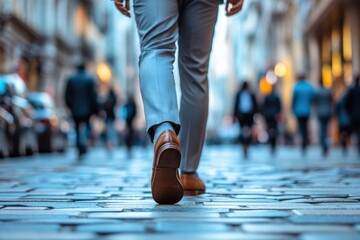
<point>316,38</point>
<point>122,51</point>
<point>42,39</point>
<point>333,34</point>
<point>269,34</point>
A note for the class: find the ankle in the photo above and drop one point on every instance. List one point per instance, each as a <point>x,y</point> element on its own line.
<point>188,173</point>
<point>161,128</point>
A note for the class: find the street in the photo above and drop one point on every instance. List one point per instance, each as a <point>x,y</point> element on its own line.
<point>107,196</point>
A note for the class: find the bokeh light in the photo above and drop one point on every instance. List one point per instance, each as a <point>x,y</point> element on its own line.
<point>265,87</point>
<point>104,72</point>
<point>280,70</point>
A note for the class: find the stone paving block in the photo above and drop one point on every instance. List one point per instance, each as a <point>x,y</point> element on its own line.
<point>328,195</point>
<point>20,200</point>
<point>110,228</point>
<point>92,195</point>
<point>308,191</point>
<point>40,212</point>
<point>8,227</point>
<point>235,220</point>
<point>286,197</point>
<point>223,220</point>
<point>357,227</point>
<point>282,206</point>
<point>126,206</point>
<point>8,185</point>
<point>25,208</point>
<point>249,191</point>
<point>47,236</point>
<point>125,201</point>
<point>57,197</point>
<point>293,228</point>
<point>4,196</point>
<point>51,204</point>
<point>135,189</point>
<point>48,192</point>
<point>327,212</point>
<point>152,215</point>
<point>21,216</point>
<point>88,190</point>
<point>321,219</point>
<point>201,236</point>
<point>192,209</point>
<point>321,200</point>
<point>88,210</point>
<point>69,221</point>
<point>259,213</point>
<point>330,236</point>
<point>253,196</point>
<point>15,190</point>
<point>189,227</point>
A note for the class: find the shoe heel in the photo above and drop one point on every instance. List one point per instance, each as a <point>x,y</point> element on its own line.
<point>169,156</point>
<point>166,188</point>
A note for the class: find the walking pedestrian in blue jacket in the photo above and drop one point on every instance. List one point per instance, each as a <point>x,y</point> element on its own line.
<point>303,96</point>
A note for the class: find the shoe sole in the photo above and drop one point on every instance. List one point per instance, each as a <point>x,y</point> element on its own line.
<point>166,187</point>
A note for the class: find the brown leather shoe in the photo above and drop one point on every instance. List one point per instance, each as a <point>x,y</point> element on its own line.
<point>166,187</point>
<point>192,184</point>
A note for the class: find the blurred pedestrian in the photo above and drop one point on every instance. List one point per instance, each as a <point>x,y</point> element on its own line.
<point>323,102</point>
<point>129,112</point>
<point>352,107</point>
<point>107,104</point>
<point>271,111</point>
<point>303,95</point>
<point>244,111</point>
<point>160,24</point>
<point>81,99</point>
<point>344,122</point>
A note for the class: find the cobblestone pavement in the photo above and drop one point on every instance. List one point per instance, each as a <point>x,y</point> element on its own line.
<point>108,197</point>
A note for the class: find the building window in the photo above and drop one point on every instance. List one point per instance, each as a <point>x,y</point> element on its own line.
<point>347,51</point>
<point>326,61</point>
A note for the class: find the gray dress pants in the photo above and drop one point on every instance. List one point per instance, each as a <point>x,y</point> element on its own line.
<point>160,24</point>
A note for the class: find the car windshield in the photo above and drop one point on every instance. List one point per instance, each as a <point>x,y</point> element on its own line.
<point>41,101</point>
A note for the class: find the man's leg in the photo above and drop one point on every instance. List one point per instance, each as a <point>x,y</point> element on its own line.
<point>303,131</point>
<point>158,30</point>
<point>196,30</point>
<point>77,131</point>
<point>272,132</point>
<point>323,134</point>
<point>357,132</point>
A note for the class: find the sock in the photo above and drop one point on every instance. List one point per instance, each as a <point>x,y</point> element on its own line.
<point>188,173</point>
<point>161,128</point>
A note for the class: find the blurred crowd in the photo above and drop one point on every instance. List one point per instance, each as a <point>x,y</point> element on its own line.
<point>306,101</point>
<point>91,105</point>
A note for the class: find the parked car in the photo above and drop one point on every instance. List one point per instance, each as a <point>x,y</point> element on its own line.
<point>22,137</point>
<point>6,126</point>
<point>50,123</point>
